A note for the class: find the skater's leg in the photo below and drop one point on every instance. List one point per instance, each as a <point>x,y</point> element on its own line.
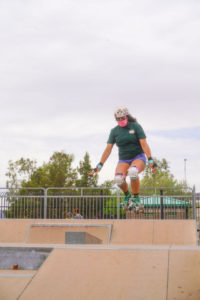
<point>120,180</point>
<point>120,176</point>
<point>136,167</point>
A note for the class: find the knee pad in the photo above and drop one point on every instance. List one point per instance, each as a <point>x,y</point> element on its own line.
<point>133,172</point>
<point>119,179</point>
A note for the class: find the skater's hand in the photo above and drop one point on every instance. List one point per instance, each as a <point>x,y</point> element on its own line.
<point>153,167</point>
<point>96,170</point>
<point>152,164</point>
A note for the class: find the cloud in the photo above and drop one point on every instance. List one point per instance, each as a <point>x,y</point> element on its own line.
<point>179,134</point>
<point>66,65</point>
<point>175,150</point>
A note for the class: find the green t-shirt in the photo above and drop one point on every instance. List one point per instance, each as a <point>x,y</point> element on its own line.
<point>127,139</point>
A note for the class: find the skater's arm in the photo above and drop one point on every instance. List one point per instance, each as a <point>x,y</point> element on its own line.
<point>106,153</point>
<point>104,157</point>
<point>145,147</point>
<point>147,151</point>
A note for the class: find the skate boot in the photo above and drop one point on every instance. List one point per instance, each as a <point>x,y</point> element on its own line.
<point>125,203</point>
<point>131,205</point>
<point>137,205</point>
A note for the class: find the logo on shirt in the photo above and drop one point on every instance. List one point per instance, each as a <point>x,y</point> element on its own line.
<point>131,131</point>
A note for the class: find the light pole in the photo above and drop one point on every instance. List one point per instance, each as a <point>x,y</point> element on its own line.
<point>185,160</point>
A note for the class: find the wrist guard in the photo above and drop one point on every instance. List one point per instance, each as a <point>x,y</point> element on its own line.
<point>99,166</point>
<point>151,161</point>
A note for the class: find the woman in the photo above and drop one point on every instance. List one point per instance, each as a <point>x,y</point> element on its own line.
<point>133,150</point>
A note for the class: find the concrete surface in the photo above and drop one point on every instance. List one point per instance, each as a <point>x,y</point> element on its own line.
<point>157,274</point>
<point>184,274</point>
<point>12,283</point>
<point>144,260</point>
<point>101,274</point>
<point>25,258</point>
<point>134,232</point>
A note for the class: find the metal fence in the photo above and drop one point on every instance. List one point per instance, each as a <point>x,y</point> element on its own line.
<point>96,203</point>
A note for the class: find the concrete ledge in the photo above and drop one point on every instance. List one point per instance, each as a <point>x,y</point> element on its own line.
<point>55,233</point>
<point>50,247</point>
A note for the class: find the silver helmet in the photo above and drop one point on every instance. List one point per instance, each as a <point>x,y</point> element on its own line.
<point>121,112</point>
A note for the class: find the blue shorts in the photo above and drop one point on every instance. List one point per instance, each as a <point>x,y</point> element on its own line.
<point>141,156</point>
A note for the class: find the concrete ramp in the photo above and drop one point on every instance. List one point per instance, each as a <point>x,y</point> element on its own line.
<point>129,259</point>
<point>12,283</point>
<point>101,274</point>
<point>124,232</point>
<point>154,232</point>
<point>13,230</point>
<point>116,273</point>
<point>184,274</point>
<point>175,232</point>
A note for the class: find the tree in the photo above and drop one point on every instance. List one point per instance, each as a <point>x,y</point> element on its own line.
<point>58,172</point>
<point>161,178</point>
<point>19,171</point>
<point>108,184</point>
<point>61,173</point>
<point>83,170</point>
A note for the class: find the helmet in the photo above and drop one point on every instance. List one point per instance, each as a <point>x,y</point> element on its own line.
<point>121,112</point>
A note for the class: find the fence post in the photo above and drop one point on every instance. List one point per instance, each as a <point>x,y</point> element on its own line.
<point>194,212</point>
<point>161,205</point>
<point>101,205</point>
<point>45,203</point>
<point>118,205</point>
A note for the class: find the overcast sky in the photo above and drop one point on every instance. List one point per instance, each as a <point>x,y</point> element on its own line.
<point>65,65</point>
